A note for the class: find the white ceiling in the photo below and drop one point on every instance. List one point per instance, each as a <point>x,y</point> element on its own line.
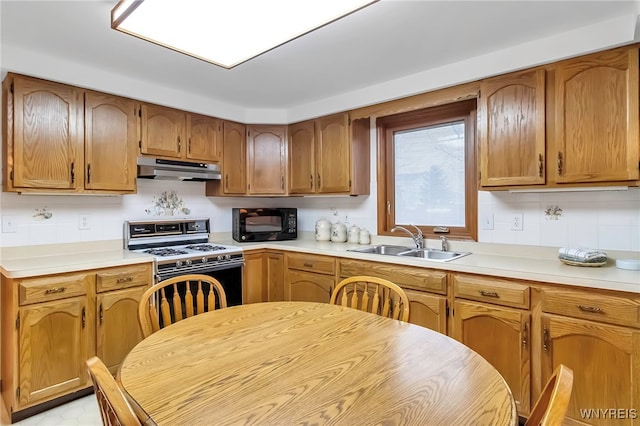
<point>386,41</point>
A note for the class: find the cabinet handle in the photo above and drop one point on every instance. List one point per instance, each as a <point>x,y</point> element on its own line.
<point>308,265</point>
<point>189,146</point>
<point>100,314</point>
<point>55,290</point>
<point>489,294</point>
<point>88,173</point>
<point>318,179</point>
<point>559,164</point>
<point>540,165</point>
<point>525,334</point>
<point>179,144</point>
<point>73,172</point>
<point>590,309</point>
<point>311,181</point>
<point>84,317</point>
<point>124,280</point>
<point>281,181</point>
<point>545,339</point>
<point>226,181</point>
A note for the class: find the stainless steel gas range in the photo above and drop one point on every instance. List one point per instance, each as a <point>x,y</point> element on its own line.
<point>181,246</point>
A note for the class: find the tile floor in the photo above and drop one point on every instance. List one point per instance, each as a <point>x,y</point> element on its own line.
<point>81,412</point>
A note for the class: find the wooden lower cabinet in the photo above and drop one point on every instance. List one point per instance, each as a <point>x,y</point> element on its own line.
<point>118,329</point>
<point>52,347</point>
<point>52,324</point>
<point>274,272</point>
<point>308,286</point>
<point>605,360</point>
<point>428,310</point>
<point>502,336</point>
<point>263,277</point>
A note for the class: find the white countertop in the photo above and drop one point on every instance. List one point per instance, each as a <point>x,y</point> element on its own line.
<point>519,262</point>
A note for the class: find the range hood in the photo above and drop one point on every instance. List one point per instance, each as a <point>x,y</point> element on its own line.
<point>155,168</point>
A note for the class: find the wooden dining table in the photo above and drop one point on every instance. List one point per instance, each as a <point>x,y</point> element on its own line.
<point>291,363</point>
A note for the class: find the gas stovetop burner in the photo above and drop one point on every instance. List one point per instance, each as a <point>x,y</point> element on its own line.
<point>205,247</point>
<point>165,251</point>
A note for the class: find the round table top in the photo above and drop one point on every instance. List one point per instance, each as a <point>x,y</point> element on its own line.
<point>283,363</point>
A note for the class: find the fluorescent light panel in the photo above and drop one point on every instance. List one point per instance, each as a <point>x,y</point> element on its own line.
<point>226,32</point>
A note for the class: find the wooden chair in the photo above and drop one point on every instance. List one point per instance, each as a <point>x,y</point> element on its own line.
<point>114,408</point>
<point>551,406</point>
<point>372,294</point>
<point>189,294</point>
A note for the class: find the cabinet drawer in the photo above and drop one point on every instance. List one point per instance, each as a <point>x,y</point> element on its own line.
<point>123,277</point>
<point>405,276</point>
<point>593,306</point>
<point>43,289</point>
<point>312,263</point>
<point>491,290</point>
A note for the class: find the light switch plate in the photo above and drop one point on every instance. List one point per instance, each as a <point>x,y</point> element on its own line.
<point>486,221</point>
<point>9,224</point>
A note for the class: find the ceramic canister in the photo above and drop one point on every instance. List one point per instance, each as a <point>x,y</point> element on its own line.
<point>323,230</point>
<point>365,237</point>
<point>338,232</point>
<point>354,234</point>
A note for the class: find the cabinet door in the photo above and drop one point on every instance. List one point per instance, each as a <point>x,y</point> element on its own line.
<point>205,138</point>
<point>163,131</point>
<point>596,101</point>
<point>234,158</point>
<point>267,159</point>
<point>511,129</point>
<point>47,150</point>
<point>53,344</point>
<point>111,132</point>
<point>427,310</point>
<point>302,177</point>
<point>275,276</point>
<point>253,278</point>
<point>605,360</point>
<point>118,329</point>
<point>308,287</point>
<point>333,159</point>
<point>501,336</point>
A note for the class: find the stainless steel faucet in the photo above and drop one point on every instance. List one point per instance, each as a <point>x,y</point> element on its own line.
<point>445,243</point>
<point>417,237</point>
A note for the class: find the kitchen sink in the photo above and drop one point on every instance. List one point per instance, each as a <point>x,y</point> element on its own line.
<point>431,254</point>
<point>388,250</point>
<point>404,251</point>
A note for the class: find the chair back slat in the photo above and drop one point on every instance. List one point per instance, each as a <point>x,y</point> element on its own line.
<point>200,299</point>
<point>176,297</point>
<point>369,293</point>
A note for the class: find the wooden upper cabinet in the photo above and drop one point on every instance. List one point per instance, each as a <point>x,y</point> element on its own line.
<point>204,138</point>
<point>234,146</point>
<point>511,129</point>
<point>45,137</point>
<point>302,170</point>
<point>267,159</point>
<point>111,132</point>
<point>330,155</point>
<point>164,131</point>
<point>596,117</point>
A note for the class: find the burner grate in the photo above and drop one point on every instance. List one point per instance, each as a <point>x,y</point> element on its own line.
<point>205,247</point>
<point>165,251</point>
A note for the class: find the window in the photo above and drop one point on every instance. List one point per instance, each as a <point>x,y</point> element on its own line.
<point>427,170</point>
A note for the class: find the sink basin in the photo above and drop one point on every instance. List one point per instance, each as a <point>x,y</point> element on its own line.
<point>431,254</point>
<point>385,249</point>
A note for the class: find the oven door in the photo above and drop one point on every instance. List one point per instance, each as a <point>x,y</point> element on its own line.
<point>230,276</point>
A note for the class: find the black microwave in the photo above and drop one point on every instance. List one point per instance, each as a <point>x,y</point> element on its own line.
<point>269,224</point>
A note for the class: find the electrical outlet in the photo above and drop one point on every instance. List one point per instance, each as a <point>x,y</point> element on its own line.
<point>486,221</point>
<point>84,222</point>
<point>516,222</point>
<point>9,224</point>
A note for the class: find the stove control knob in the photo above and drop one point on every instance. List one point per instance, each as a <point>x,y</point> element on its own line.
<point>178,263</point>
<point>219,257</point>
<point>204,260</point>
<point>227,256</point>
<point>187,262</point>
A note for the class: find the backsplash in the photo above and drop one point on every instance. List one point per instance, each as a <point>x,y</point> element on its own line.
<point>600,219</point>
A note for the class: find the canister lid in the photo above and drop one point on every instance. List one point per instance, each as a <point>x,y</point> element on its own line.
<point>631,264</point>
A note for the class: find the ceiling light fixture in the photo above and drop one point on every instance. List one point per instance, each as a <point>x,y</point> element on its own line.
<point>226,32</point>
